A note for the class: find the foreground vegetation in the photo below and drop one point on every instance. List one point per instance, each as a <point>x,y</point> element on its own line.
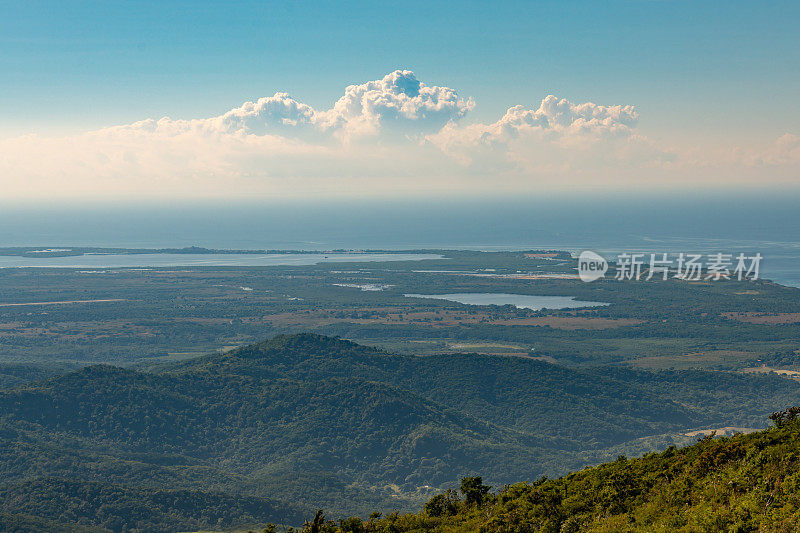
<point>743,483</point>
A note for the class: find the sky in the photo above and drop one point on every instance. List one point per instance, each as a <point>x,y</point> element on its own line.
<point>403,99</point>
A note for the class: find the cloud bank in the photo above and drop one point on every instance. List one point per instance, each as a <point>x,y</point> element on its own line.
<point>391,136</point>
<point>397,106</point>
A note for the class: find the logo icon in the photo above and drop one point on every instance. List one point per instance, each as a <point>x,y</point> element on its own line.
<point>591,266</point>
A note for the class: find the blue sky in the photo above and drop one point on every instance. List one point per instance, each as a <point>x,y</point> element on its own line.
<point>86,64</point>
<point>696,72</point>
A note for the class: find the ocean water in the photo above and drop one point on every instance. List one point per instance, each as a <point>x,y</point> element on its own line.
<point>199,260</point>
<point>703,223</point>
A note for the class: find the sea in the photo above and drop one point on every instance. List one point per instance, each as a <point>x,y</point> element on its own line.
<point>703,223</point>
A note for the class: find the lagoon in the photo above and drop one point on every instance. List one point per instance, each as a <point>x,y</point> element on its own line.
<point>520,301</point>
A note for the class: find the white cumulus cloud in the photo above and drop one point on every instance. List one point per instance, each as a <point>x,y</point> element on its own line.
<point>392,135</point>
<point>397,103</point>
<point>555,121</point>
<point>558,137</point>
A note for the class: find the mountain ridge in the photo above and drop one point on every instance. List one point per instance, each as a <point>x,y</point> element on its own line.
<point>323,421</point>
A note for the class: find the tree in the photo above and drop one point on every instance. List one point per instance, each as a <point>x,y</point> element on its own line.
<point>318,525</point>
<point>443,504</point>
<point>474,490</point>
<point>782,418</point>
<point>352,525</point>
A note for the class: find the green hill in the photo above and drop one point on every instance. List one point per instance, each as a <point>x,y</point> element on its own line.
<point>111,507</point>
<point>743,483</point>
<point>315,420</point>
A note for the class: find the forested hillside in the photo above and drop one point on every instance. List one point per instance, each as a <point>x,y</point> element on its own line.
<point>744,483</point>
<point>319,421</point>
